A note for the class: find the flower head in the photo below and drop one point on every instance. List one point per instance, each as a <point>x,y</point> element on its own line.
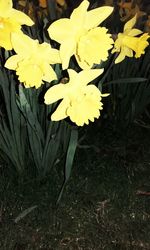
<point>126,42</point>
<point>81,102</point>
<point>32,62</point>
<point>10,21</point>
<point>79,34</point>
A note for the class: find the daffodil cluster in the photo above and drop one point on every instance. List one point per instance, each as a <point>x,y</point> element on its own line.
<point>79,36</point>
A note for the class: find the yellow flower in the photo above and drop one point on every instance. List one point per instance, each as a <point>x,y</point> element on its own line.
<point>80,36</point>
<point>80,102</point>
<point>126,42</point>
<point>10,21</point>
<point>32,62</point>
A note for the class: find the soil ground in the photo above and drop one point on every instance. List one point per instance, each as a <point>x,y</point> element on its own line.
<point>106,204</point>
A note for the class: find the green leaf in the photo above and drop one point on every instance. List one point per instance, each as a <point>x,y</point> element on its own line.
<point>127,80</point>
<point>24,213</point>
<point>69,159</point>
<point>35,133</point>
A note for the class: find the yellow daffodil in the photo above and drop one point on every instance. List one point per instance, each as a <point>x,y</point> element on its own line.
<point>126,42</point>
<point>80,102</point>
<point>10,21</point>
<point>32,62</point>
<point>80,36</point>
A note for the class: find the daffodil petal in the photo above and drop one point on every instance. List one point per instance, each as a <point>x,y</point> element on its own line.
<point>67,50</point>
<point>21,17</point>
<point>5,41</point>
<point>61,111</point>
<point>12,62</point>
<point>55,93</point>
<point>97,16</point>
<point>86,76</point>
<point>105,94</point>
<point>60,30</point>
<point>5,7</point>
<point>5,4</point>
<point>49,73</point>
<point>72,74</point>
<point>44,51</point>
<point>54,56</point>
<point>120,57</point>
<point>47,53</point>
<point>114,50</point>
<point>129,25</point>
<point>134,32</point>
<point>79,14</point>
<point>22,44</point>
<point>128,52</point>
